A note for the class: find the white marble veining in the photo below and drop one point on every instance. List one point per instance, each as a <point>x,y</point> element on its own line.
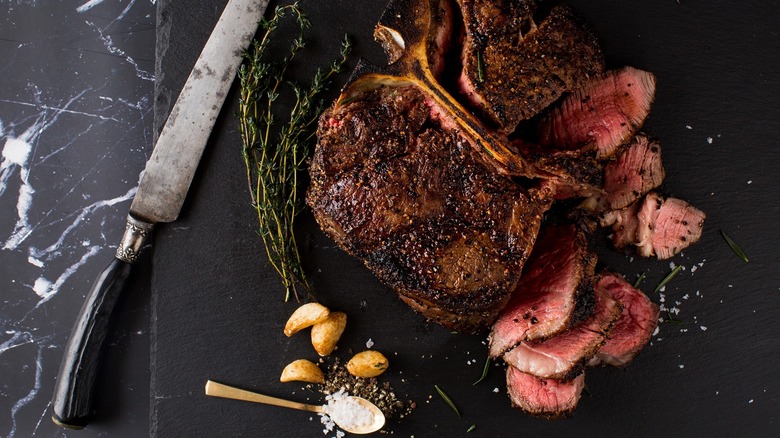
<point>76,88</point>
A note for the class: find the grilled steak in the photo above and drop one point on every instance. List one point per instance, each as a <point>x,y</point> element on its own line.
<point>545,398</point>
<point>419,206</point>
<point>554,293</point>
<point>512,68</point>
<point>564,356</point>
<point>635,326</point>
<point>602,115</point>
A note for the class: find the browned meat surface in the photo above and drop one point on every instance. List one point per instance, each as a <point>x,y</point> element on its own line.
<point>418,205</point>
<point>557,275</point>
<point>564,356</point>
<point>514,68</point>
<point>635,326</point>
<point>624,225</point>
<point>545,398</point>
<point>602,115</point>
<point>574,174</point>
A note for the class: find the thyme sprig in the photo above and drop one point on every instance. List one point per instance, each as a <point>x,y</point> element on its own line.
<point>274,153</point>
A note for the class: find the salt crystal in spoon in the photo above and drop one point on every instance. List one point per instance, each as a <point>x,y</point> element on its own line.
<point>352,414</point>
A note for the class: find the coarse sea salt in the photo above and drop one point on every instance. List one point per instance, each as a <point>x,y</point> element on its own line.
<point>344,411</point>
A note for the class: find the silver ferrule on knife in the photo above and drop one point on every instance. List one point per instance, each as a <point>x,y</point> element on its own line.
<point>133,240</point>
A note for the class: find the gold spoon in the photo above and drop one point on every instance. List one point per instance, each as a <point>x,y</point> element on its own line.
<point>378,418</point>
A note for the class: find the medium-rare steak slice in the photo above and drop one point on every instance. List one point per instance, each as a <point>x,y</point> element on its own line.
<point>602,115</point>
<point>545,398</point>
<point>659,226</point>
<point>635,326</point>
<point>634,173</point>
<point>558,275</point>
<point>512,68</point>
<point>564,356</point>
<point>420,207</point>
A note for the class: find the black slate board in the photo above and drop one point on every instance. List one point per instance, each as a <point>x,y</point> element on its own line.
<point>218,311</point>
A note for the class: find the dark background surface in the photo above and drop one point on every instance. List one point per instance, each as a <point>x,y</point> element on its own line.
<point>218,311</point>
<point>78,87</point>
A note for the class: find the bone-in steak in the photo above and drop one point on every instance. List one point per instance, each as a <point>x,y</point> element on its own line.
<point>420,207</point>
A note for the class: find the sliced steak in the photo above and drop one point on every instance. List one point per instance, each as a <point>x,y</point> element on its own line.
<point>420,207</point>
<point>545,398</point>
<point>667,226</point>
<point>557,275</point>
<point>564,356</point>
<point>602,115</point>
<point>512,68</point>
<point>634,173</point>
<point>635,326</point>
<point>658,226</point>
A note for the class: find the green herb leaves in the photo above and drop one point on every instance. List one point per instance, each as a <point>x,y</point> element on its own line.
<point>734,247</point>
<point>484,371</point>
<point>668,278</point>
<point>275,153</point>
<point>447,399</point>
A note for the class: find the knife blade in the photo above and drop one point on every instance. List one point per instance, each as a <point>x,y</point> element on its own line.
<point>160,196</point>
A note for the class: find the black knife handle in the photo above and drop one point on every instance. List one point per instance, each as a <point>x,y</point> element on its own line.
<point>72,400</point>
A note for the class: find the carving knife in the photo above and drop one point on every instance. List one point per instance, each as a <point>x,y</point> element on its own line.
<point>160,196</point>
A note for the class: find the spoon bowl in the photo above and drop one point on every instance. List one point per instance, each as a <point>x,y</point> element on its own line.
<point>366,418</point>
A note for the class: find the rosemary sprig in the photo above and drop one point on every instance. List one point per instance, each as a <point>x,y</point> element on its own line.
<point>639,280</point>
<point>272,165</point>
<point>484,370</point>
<point>668,278</point>
<point>734,247</point>
<point>447,399</point>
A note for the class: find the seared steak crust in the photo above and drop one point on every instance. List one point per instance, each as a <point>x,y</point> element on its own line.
<point>420,207</point>
<point>512,68</point>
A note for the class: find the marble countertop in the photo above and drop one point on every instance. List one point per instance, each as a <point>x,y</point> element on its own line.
<point>76,127</point>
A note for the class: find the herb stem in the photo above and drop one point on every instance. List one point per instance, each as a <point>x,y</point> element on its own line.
<point>484,370</point>
<point>447,399</point>
<point>668,278</point>
<point>734,247</point>
<point>639,280</point>
<point>273,164</point>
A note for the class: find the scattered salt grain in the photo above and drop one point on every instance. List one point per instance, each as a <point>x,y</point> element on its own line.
<point>750,181</point>
<point>688,127</point>
<point>709,140</point>
<point>703,328</point>
<point>682,366</point>
<point>694,268</point>
<point>369,343</point>
<point>750,401</point>
<point>657,329</point>
<point>685,297</point>
<point>495,390</point>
